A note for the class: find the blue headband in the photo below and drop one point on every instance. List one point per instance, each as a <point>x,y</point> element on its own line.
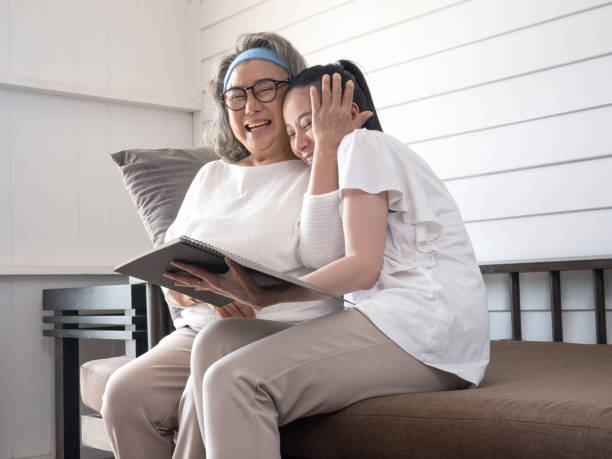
<point>262,54</point>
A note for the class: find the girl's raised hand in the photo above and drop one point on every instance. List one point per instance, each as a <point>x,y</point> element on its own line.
<point>333,115</point>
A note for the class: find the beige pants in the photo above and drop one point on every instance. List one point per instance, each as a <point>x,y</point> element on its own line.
<point>277,374</point>
<point>147,400</point>
<point>251,376</point>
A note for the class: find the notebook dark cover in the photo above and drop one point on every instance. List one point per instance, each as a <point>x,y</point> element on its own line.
<point>151,265</point>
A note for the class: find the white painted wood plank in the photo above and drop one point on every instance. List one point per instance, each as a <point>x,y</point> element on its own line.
<point>577,290</point>
<point>446,29</point>
<point>60,41</point>
<point>179,130</point>
<point>498,296</point>
<point>536,326</point>
<point>61,189</point>
<point>536,95</point>
<point>535,191</point>
<point>552,236</point>
<point>94,183</point>
<point>608,292</point>
<point>26,26</point>
<point>5,47</point>
<point>149,41</point>
<point>92,44</point>
<point>565,40</point>
<point>122,52</point>
<point>28,170</point>
<point>127,234</point>
<point>213,11</point>
<point>562,138</point>
<point>33,373</point>
<point>177,52</point>
<point>535,291</point>
<point>271,15</point>
<point>500,325</point>
<point>152,128</point>
<point>362,16</point>
<point>7,354</point>
<point>5,177</point>
<point>579,327</point>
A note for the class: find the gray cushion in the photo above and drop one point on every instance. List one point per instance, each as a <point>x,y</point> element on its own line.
<point>157,181</point>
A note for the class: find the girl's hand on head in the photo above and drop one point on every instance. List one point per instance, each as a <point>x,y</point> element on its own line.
<point>332,113</point>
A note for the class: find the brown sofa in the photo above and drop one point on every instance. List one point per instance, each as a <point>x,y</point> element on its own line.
<point>537,400</point>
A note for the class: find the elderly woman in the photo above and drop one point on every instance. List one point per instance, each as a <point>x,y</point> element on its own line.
<point>248,203</point>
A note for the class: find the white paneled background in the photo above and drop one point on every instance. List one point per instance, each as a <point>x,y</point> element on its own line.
<point>78,81</point>
<point>508,101</point>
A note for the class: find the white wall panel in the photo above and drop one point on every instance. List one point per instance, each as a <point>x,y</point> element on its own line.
<point>535,191</point>
<point>60,41</point>
<point>123,23</point>
<point>534,291</point>
<point>500,325</point>
<point>27,28</point>
<point>213,11</point>
<point>5,48</point>
<point>498,294</point>
<point>92,39</point>
<point>7,355</point>
<point>180,66</point>
<point>577,290</point>
<point>33,374</point>
<point>536,326</point>
<point>579,327</point>
<point>551,236</point>
<point>150,39</point>
<point>5,178</point>
<point>553,43</point>
<point>449,28</point>
<point>180,130</point>
<point>93,177</point>
<point>545,93</point>
<point>60,187</point>
<point>266,16</point>
<point>561,138</point>
<point>362,17</point>
<point>28,164</point>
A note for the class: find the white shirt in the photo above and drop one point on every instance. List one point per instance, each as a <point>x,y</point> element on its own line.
<point>255,213</point>
<point>430,297</point>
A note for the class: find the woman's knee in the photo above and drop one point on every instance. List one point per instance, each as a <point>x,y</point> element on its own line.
<point>124,392</point>
<point>214,341</point>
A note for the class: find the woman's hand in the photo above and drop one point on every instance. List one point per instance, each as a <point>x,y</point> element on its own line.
<point>333,114</point>
<point>235,284</point>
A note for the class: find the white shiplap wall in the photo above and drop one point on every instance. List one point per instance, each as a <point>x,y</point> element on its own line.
<point>508,101</point>
<point>78,81</point>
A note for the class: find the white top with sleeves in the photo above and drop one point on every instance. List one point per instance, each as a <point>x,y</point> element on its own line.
<point>430,297</point>
<point>255,212</point>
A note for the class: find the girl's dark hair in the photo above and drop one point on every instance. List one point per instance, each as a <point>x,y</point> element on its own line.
<point>348,71</point>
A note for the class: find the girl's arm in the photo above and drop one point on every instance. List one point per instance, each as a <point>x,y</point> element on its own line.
<point>365,228</point>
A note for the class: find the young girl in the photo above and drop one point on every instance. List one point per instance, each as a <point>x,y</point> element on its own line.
<point>419,320</point>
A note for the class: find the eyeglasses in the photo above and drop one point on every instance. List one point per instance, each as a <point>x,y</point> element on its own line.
<point>264,91</point>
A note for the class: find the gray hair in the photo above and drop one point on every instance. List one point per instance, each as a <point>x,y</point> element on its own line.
<point>219,134</point>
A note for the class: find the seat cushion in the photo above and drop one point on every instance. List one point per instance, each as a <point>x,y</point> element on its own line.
<point>93,377</point>
<point>536,400</point>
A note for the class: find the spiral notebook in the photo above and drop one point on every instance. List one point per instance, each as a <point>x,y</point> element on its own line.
<point>151,265</point>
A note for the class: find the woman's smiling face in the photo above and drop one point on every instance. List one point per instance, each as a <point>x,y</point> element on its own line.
<point>259,125</point>
<point>298,122</point>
